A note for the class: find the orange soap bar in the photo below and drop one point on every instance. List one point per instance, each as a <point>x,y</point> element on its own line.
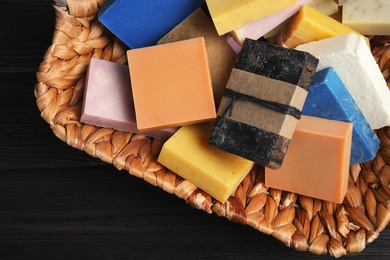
<point>171,84</point>
<point>317,162</point>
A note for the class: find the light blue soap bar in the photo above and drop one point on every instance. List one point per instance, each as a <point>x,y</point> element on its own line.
<point>328,98</point>
<point>141,23</point>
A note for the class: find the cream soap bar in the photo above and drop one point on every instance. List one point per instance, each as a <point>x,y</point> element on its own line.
<point>368,17</point>
<point>317,162</point>
<point>108,100</point>
<point>259,28</point>
<point>311,25</point>
<point>171,84</point>
<point>221,56</point>
<point>229,15</point>
<point>355,65</point>
<point>188,154</point>
<point>327,7</point>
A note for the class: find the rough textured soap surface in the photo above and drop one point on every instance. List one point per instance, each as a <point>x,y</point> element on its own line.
<point>188,154</point>
<point>358,70</point>
<point>171,84</point>
<point>140,23</point>
<point>221,56</point>
<point>368,17</point>
<point>310,25</point>
<point>328,98</point>
<point>317,162</point>
<point>229,15</point>
<point>108,99</point>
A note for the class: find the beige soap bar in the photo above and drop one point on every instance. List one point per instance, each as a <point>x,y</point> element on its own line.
<point>317,162</point>
<point>216,172</point>
<point>221,57</point>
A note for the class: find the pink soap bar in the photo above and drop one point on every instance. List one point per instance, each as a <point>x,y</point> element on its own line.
<point>259,28</point>
<point>108,100</point>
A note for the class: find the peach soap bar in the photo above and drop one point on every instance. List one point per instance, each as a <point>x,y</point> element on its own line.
<point>229,15</point>
<point>368,17</point>
<point>216,172</point>
<point>221,57</point>
<point>317,162</point>
<point>171,84</point>
<point>108,100</point>
<point>310,25</point>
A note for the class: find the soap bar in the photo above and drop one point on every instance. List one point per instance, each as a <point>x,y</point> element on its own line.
<point>221,57</point>
<point>108,99</point>
<point>311,25</point>
<point>262,102</point>
<point>327,7</point>
<point>358,70</point>
<point>328,98</point>
<point>216,172</point>
<point>140,23</point>
<point>317,162</point>
<point>259,28</point>
<point>233,44</point>
<point>368,17</point>
<point>171,84</point>
<point>229,15</point>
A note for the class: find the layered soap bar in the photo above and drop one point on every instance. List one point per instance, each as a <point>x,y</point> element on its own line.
<point>171,84</point>
<point>368,17</point>
<point>327,7</point>
<point>108,99</point>
<point>262,102</point>
<point>358,70</point>
<point>229,15</point>
<point>140,23</point>
<point>328,98</point>
<point>259,28</point>
<point>221,57</point>
<point>317,162</point>
<point>216,172</point>
<point>310,25</point>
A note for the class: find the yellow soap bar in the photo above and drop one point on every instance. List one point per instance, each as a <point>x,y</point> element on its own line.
<point>188,154</point>
<point>310,25</point>
<point>229,15</point>
<point>317,162</point>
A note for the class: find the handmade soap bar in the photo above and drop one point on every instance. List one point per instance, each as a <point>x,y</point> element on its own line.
<point>171,84</point>
<point>355,65</point>
<point>221,57</point>
<point>140,23</point>
<point>229,15</point>
<point>328,98</point>
<point>258,28</point>
<point>262,102</point>
<point>317,162</point>
<point>311,25</point>
<point>327,7</point>
<point>108,100</point>
<point>368,17</point>
<point>216,172</point>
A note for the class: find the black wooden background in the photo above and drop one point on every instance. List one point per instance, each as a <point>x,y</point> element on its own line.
<point>57,202</point>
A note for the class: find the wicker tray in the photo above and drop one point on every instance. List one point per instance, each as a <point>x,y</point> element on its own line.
<point>300,222</point>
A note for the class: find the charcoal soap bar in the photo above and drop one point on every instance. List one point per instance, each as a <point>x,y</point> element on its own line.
<point>328,98</point>
<point>278,63</point>
<point>140,23</point>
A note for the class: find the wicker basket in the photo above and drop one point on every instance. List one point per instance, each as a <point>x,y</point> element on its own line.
<point>300,222</point>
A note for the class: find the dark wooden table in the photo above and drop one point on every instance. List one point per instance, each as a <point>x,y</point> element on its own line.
<point>57,202</point>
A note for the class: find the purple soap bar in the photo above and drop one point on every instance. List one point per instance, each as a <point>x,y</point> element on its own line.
<point>108,99</point>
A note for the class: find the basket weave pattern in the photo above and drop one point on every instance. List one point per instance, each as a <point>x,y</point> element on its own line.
<point>300,222</point>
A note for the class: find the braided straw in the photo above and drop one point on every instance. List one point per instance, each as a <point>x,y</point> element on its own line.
<point>300,222</point>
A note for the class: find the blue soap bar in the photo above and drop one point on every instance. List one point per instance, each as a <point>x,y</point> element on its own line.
<point>140,23</point>
<point>328,98</point>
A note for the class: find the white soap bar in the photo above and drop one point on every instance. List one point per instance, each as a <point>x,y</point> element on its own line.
<point>368,17</point>
<point>352,60</point>
<point>327,7</point>
<point>257,29</point>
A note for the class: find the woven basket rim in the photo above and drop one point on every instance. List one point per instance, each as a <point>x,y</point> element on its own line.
<point>300,222</point>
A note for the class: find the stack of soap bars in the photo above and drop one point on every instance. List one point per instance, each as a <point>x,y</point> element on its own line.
<point>289,85</point>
